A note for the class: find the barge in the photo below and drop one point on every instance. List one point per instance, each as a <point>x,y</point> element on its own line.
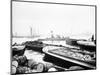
<point>67,58</point>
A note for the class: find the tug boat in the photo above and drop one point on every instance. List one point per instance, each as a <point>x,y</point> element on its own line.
<point>88,45</point>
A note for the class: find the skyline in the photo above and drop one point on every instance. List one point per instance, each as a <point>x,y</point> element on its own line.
<point>64,20</point>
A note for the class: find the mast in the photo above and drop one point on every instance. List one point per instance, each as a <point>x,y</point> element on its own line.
<point>31,31</point>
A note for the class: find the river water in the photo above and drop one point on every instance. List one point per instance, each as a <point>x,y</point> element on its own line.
<point>21,40</point>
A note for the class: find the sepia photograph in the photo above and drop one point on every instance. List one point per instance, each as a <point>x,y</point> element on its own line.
<point>52,37</point>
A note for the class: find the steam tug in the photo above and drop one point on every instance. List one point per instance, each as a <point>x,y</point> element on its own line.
<point>89,45</point>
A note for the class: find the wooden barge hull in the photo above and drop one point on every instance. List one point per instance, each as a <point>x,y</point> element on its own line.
<point>67,61</point>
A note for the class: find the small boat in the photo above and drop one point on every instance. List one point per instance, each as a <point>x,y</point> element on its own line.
<point>34,45</point>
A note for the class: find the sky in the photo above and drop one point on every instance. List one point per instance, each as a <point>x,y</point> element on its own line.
<point>63,20</point>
